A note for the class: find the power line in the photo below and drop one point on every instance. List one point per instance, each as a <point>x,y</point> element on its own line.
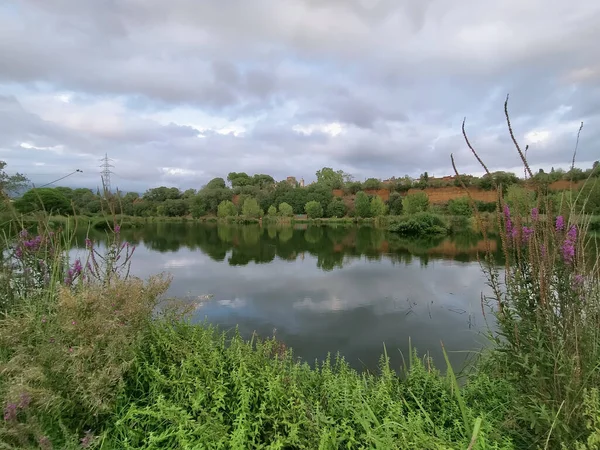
<point>105,174</point>
<point>59,179</point>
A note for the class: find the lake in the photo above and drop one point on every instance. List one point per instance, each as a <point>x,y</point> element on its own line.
<point>324,289</point>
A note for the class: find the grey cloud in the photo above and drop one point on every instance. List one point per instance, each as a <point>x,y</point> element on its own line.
<point>399,76</point>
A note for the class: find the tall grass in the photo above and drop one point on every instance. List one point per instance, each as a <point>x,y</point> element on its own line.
<point>547,306</point>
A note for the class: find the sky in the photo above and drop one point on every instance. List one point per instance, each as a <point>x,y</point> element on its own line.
<point>179,92</point>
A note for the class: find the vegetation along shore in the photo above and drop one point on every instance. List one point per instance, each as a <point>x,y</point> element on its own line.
<point>92,357</point>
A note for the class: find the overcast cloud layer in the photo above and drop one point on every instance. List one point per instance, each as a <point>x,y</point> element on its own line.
<point>181,91</point>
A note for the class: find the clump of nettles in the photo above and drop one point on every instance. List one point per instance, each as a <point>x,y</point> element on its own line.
<point>69,338</point>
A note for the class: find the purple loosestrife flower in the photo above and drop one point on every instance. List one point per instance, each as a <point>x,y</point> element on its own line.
<point>578,280</point>
<point>10,412</point>
<point>560,223</point>
<point>25,400</point>
<point>568,247</point>
<point>117,229</point>
<point>88,243</point>
<point>19,253</point>
<point>527,233</point>
<point>535,213</point>
<point>23,234</point>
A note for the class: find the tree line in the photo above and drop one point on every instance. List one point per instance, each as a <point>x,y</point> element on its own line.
<point>257,195</point>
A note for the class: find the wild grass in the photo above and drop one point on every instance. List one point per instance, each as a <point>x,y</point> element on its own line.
<point>547,308</point>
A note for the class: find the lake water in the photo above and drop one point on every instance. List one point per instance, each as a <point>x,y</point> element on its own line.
<point>325,289</point>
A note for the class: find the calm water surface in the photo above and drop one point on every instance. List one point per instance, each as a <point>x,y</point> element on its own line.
<point>323,289</point>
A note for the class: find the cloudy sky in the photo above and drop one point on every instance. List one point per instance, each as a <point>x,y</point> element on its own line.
<point>178,92</point>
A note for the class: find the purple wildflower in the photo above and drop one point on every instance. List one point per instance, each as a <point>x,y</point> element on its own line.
<point>117,229</point>
<point>572,233</point>
<point>527,233</point>
<point>578,280</point>
<point>88,243</point>
<point>10,412</point>
<point>24,234</point>
<point>535,213</point>
<point>19,253</point>
<point>568,247</point>
<point>25,400</point>
<point>560,223</point>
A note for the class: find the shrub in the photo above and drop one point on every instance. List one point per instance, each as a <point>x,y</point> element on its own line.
<point>251,208</point>
<point>313,209</point>
<point>377,207</point>
<point>420,224</point>
<point>272,211</point>
<point>337,208</point>
<point>362,205</point>
<point>415,203</point>
<point>285,210</point>
<point>372,184</point>
<point>460,207</point>
<point>395,204</point>
<point>226,209</point>
<point>44,199</point>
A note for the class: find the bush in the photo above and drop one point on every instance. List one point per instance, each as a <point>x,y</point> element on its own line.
<point>377,207</point>
<point>272,211</point>
<point>420,224</point>
<point>415,203</point>
<point>285,210</point>
<point>460,207</point>
<point>44,199</point>
<point>372,184</point>
<point>337,208</point>
<point>251,209</point>
<point>313,209</point>
<point>362,205</point>
<point>226,209</point>
<point>395,204</point>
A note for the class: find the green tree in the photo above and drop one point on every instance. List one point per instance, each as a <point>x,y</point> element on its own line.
<point>251,208</point>
<point>226,209</point>
<point>262,181</point>
<point>286,210</point>
<point>11,184</point>
<point>331,178</point>
<point>460,207</point>
<point>216,183</point>
<point>377,207</point>
<point>372,183</point>
<point>395,204</point>
<point>44,199</point>
<point>175,208</point>
<point>416,202</point>
<point>313,209</point>
<point>239,179</point>
<point>362,205</point>
<point>272,211</point>
<point>336,208</point>
<point>160,194</point>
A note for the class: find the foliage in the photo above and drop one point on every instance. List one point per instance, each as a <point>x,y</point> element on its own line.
<point>226,209</point>
<point>272,211</point>
<point>460,207</point>
<point>11,184</point>
<point>420,224</point>
<point>285,210</point>
<point>160,194</point>
<point>215,183</point>
<point>313,209</point>
<point>395,204</point>
<point>46,199</point>
<point>174,208</point>
<point>362,205</point>
<point>252,394</point>
<point>372,184</point>
<point>336,208</point>
<point>415,203</point>
<point>251,208</point>
<point>377,207</point>
<point>520,200</point>
<point>332,179</point>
